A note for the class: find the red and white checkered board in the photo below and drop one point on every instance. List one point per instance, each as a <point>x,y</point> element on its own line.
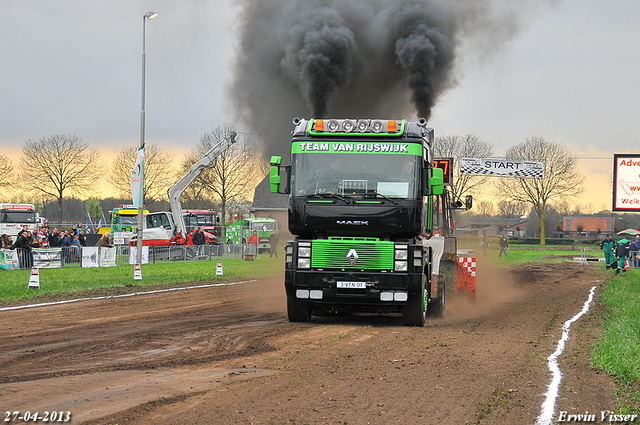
<point>468,264</point>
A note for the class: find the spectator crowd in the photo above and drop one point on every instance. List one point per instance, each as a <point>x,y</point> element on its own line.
<point>73,239</point>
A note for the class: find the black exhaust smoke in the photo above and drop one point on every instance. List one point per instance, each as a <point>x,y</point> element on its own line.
<point>319,56</point>
<point>350,58</point>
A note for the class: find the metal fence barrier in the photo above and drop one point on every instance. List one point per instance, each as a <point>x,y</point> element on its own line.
<point>21,258</point>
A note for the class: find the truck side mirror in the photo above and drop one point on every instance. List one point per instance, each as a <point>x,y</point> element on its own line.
<point>437,181</point>
<point>274,174</point>
<point>468,201</point>
<point>279,183</point>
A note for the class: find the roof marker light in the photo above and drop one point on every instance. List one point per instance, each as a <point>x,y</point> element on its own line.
<point>392,126</point>
<point>319,125</point>
<point>348,126</point>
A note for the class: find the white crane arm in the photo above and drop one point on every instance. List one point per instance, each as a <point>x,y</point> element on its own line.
<point>179,187</point>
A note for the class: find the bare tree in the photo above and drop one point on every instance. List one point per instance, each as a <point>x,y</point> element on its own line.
<point>561,179</point>
<point>157,177</point>
<point>234,174</point>
<point>485,208</point>
<point>510,209</point>
<point>7,178</point>
<point>57,164</point>
<point>458,147</point>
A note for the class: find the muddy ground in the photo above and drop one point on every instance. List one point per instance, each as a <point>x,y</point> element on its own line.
<point>228,354</point>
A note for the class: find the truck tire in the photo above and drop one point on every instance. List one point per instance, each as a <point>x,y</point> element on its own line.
<point>298,311</point>
<point>414,312</point>
<point>438,307</point>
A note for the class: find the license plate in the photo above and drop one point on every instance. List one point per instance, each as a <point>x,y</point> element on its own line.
<point>352,285</point>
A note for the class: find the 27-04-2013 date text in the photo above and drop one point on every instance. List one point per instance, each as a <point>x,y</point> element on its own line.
<point>46,416</point>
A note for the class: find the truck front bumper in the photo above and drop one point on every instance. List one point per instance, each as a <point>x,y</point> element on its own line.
<point>355,290</point>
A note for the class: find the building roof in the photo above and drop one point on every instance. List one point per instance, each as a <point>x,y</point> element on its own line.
<point>264,199</point>
<point>522,225</point>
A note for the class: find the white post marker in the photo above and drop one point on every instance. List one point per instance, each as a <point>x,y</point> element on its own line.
<point>34,279</point>
<point>137,272</point>
<point>219,269</point>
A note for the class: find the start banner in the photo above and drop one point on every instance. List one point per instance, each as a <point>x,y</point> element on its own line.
<point>503,167</point>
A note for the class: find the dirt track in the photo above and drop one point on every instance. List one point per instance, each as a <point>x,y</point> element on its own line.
<point>229,355</point>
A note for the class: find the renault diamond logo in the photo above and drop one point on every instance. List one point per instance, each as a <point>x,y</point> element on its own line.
<point>352,256</point>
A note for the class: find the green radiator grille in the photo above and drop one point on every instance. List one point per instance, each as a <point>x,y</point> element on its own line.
<point>332,253</point>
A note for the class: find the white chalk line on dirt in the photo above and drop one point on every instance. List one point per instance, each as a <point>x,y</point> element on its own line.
<point>211,285</point>
<point>549,405</point>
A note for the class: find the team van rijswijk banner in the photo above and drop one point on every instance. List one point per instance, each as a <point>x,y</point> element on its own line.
<point>503,167</point>
<point>626,182</point>
<point>355,147</point>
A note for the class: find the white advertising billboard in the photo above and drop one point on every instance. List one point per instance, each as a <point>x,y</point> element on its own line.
<point>626,182</point>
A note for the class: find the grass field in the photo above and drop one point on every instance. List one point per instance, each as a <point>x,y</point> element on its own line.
<point>67,281</point>
<point>618,351</point>
<point>520,254</point>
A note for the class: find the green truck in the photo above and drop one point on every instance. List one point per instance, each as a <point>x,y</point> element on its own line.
<point>368,210</point>
<point>238,233</point>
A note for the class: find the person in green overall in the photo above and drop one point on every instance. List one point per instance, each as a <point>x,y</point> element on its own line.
<point>609,247</point>
<point>622,250</point>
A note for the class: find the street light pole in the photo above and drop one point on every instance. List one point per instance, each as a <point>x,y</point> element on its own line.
<point>148,15</point>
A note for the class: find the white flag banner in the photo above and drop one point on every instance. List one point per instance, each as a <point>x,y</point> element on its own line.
<point>89,256</point>
<point>133,255</point>
<point>107,256</point>
<point>502,167</point>
<point>47,258</point>
<point>137,179</point>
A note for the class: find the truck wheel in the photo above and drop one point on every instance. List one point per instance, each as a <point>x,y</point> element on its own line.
<point>298,311</point>
<point>437,308</point>
<point>414,312</point>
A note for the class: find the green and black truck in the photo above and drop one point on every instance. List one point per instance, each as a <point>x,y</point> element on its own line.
<point>366,203</point>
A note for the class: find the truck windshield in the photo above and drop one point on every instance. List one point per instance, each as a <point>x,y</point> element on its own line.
<point>263,226</point>
<point>18,216</point>
<point>158,220</point>
<point>128,220</point>
<point>366,175</point>
<point>206,219</point>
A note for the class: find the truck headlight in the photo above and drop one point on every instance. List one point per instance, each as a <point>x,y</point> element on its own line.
<point>305,263</point>
<point>399,266</point>
<point>304,251</point>
<point>401,254</point>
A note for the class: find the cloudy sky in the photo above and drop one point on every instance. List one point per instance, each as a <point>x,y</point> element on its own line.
<point>570,74</point>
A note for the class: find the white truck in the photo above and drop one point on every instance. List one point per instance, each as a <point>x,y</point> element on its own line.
<point>14,216</point>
